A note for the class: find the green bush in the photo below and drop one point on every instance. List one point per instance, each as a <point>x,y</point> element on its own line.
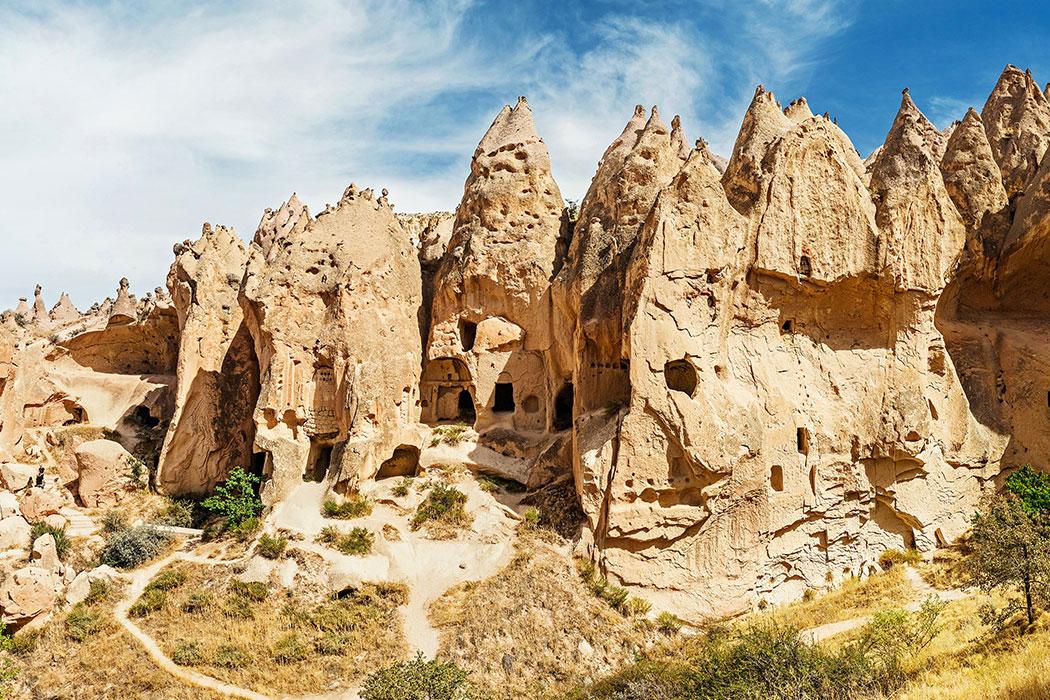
<point>167,581</point>
<point>271,547</point>
<point>1032,487</point>
<point>197,602</point>
<point>230,656</point>
<point>149,602</point>
<point>530,519</point>
<point>449,434</point>
<point>180,512</point>
<point>355,506</point>
<point>401,488</point>
<point>289,649</point>
<point>255,591</point>
<point>138,473</point>
<point>97,592</point>
<point>358,541</point>
<point>235,499</point>
<point>82,623</point>
<point>420,679</point>
<point>188,654</point>
<point>443,503</point>
<point>114,521</point>
<point>62,542</point>
<point>668,623</point>
<point>331,644</point>
<point>245,530</point>
<point>133,547</point>
<point>636,607</point>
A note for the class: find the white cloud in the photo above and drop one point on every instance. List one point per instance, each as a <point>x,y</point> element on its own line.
<point>123,129</point>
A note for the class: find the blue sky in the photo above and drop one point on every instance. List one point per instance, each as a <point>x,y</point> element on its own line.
<point>127,125</point>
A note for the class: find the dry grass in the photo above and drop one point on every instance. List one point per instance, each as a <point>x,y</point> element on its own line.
<point>854,598</point>
<point>275,641</point>
<point>538,616</point>
<point>966,660</point>
<point>948,569</point>
<point>107,665</point>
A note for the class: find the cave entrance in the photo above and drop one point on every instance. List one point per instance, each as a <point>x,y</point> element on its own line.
<point>465,410</point>
<point>680,375</point>
<point>563,408</point>
<point>504,398</point>
<point>145,418</point>
<point>404,462</point>
<point>468,333</point>
<point>258,465</point>
<point>320,461</point>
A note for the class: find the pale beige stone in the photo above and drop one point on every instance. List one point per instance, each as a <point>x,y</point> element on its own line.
<point>103,473</point>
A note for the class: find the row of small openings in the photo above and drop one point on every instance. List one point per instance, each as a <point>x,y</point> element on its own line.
<point>622,364</point>
<point>776,478</point>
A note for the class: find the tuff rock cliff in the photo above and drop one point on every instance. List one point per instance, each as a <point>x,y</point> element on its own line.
<point>758,374</point>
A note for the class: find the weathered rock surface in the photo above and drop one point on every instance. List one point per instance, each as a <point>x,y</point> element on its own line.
<point>331,304</point>
<point>103,467</point>
<point>212,429</point>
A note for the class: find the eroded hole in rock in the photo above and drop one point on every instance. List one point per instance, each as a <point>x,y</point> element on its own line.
<point>802,440</point>
<point>465,407</point>
<point>680,375</point>
<point>563,408</point>
<point>503,402</point>
<point>319,462</point>
<point>531,404</point>
<point>776,477</point>
<point>404,462</point>
<point>805,267</point>
<point>789,326</point>
<point>145,418</point>
<point>468,333</point>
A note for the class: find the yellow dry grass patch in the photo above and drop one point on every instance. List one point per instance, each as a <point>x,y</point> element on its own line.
<point>274,641</point>
<point>533,628</point>
<point>107,665</point>
<point>967,660</point>
<point>854,598</point>
<point>947,569</point>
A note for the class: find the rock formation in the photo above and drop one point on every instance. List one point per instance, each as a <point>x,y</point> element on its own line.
<point>212,429</point>
<point>331,304</point>
<point>759,374</point>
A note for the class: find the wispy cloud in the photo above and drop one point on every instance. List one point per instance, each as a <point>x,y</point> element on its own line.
<point>125,127</point>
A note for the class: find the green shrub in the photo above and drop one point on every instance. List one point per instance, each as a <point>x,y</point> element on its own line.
<point>239,608</point>
<point>235,499</point>
<point>443,503</point>
<point>97,592</point>
<point>668,623</point>
<point>289,649</point>
<point>358,541</point>
<point>150,601</point>
<point>331,644</point>
<point>420,679</point>
<point>180,512</point>
<point>1032,487</point>
<point>22,644</point>
<point>401,488</point>
<point>133,547</point>
<point>355,506</point>
<point>82,623</point>
<point>188,654</point>
<point>255,591</point>
<point>197,602</point>
<point>137,473</point>
<point>114,521</point>
<point>245,530</point>
<point>271,547</point>
<point>167,581</point>
<point>62,542</point>
<point>230,656</point>
<point>636,607</point>
<point>530,519</point>
<point>449,434</point>
<point>328,535</point>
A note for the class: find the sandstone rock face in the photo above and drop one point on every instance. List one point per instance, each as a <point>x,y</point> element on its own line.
<point>103,472</point>
<point>761,373</point>
<point>331,304</point>
<point>490,326</point>
<point>212,429</point>
<point>27,593</point>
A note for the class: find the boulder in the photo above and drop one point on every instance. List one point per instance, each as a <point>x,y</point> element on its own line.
<point>80,587</point>
<point>8,504</point>
<point>14,533</point>
<point>37,504</point>
<point>16,476</point>
<point>27,593</point>
<point>45,553</point>
<point>103,467</point>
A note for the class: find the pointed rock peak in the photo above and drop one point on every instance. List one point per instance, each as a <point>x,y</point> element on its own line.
<point>970,173</point>
<point>764,122</point>
<point>1046,91</point>
<point>520,120</point>
<point>654,123</point>
<point>678,138</point>
<point>510,126</point>
<point>676,122</point>
<point>798,110</point>
<point>522,103</point>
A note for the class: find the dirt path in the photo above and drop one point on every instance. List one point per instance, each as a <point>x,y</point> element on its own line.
<point>918,583</point>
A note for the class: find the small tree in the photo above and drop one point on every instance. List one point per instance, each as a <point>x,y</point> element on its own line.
<point>235,498</point>
<point>1032,488</point>
<point>1011,550</point>
<point>420,679</point>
